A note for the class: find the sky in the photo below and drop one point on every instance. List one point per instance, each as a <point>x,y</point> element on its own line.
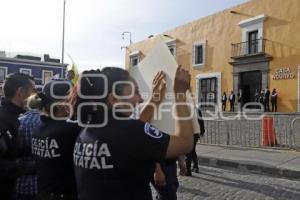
<point>93,28</point>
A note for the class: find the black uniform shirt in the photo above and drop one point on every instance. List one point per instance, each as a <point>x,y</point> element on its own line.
<point>9,125</point>
<point>117,161</point>
<point>52,144</point>
<point>9,146</point>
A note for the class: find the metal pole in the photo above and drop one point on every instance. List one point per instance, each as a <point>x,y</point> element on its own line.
<point>63,35</point>
<point>127,32</point>
<point>130,38</point>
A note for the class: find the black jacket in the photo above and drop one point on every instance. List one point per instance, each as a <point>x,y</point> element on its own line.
<point>52,146</point>
<point>224,99</point>
<point>267,95</point>
<point>10,168</point>
<point>233,98</point>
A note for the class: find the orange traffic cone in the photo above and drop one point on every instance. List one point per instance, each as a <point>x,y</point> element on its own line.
<point>269,135</point>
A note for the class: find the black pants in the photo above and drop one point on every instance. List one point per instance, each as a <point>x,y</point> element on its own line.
<point>192,156</point>
<point>223,106</point>
<point>274,106</point>
<point>168,192</point>
<point>267,106</point>
<point>231,107</point>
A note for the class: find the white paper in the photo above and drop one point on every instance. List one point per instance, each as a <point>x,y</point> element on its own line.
<point>160,58</point>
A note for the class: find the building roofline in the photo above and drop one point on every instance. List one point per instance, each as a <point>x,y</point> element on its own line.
<point>33,62</point>
<point>196,20</point>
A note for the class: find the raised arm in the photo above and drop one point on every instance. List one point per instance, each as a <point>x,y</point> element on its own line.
<point>158,93</point>
<point>182,141</point>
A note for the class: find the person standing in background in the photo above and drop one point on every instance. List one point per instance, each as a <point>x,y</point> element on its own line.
<point>274,100</point>
<point>224,101</point>
<point>26,187</point>
<point>261,98</point>
<point>267,99</point>
<point>231,101</point>
<point>16,88</point>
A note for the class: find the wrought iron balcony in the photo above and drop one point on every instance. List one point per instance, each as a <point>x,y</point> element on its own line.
<point>248,48</point>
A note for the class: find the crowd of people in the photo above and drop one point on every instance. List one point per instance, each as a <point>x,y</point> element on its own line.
<point>231,99</point>
<point>264,98</point>
<point>53,146</point>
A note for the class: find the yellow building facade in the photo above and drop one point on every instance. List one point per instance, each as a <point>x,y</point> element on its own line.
<point>245,49</point>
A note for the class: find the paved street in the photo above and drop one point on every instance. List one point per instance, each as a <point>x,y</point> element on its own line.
<point>215,183</point>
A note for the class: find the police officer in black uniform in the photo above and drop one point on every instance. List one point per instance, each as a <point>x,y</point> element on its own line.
<point>17,87</point>
<point>115,156</point>
<point>53,143</point>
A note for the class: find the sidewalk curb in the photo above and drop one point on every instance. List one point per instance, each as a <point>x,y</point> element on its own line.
<point>258,168</point>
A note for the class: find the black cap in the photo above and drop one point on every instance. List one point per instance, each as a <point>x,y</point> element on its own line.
<point>57,89</point>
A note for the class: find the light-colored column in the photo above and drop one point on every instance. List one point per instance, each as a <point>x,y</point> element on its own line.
<point>264,79</point>
<point>236,82</point>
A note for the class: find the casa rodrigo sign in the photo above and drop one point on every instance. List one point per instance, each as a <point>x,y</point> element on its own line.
<point>283,73</point>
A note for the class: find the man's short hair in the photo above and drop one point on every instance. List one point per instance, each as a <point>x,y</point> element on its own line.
<point>14,81</point>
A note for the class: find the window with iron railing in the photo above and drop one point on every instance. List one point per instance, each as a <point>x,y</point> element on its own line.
<point>250,47</point>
